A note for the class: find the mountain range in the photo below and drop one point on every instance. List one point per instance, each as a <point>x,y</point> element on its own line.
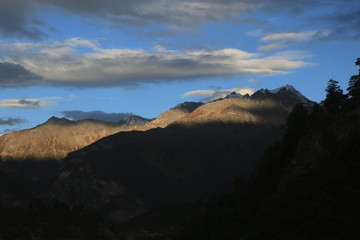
<point>121,170</point>
<point>57,137</point>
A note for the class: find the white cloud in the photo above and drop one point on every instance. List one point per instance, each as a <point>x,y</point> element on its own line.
<point>274,46</point>
<point>62,64</point>
<point>302,36</point>
<point>209,95</point>
<point>254,81</point>
<point>199,93</point>
<point>28,102</point>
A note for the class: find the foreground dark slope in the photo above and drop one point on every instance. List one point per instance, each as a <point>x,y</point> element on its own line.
<point>126,173</point>
<point>308,192</point>
<point>305,187</point>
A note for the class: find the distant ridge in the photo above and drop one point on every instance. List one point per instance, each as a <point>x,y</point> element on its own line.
<point>58,136</point>
<point>287,95</point>
<point>55,138</point>
<point>134,119</point>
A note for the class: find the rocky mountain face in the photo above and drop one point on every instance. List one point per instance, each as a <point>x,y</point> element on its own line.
<point>173,114</point>
<point>57,137</point>
<point>287,95</point>
<point>134,121</point>
<point>192,151</point>
<point>237,110</point>
<point>196,156</point>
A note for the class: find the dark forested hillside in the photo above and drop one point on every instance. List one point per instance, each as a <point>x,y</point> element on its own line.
<point>305,187</point>
<point>130,172</point>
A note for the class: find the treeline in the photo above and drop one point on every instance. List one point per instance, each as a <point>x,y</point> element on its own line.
<point>51,221</point>
<point>305,187</point>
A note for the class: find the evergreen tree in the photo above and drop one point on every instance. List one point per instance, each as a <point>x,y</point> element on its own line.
<point>335,99</point>
<point>354,85</point>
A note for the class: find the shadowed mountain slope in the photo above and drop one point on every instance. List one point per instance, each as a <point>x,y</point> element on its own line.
<point>197,156</point>
<point>306,186</point>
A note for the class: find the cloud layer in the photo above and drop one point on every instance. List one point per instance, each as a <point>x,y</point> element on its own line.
<point>21,18</point>
<point>61,64</point>
<point>97,115</point>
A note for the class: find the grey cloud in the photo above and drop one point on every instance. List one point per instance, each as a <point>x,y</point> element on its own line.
<point>12,74</point>
<point>18,17</point>
<point>344,21</point>
<point>97,115</point>
<point>17,20</point>
<point>215,88</point>
<point>12,121</point>
<point>30,103</point>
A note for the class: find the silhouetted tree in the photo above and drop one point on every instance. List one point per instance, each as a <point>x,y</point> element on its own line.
<point>335,99</point>
<point>354,85</point>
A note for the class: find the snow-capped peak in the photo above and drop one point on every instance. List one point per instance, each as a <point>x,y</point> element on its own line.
<point>288,89</point>
<point>287,95</point>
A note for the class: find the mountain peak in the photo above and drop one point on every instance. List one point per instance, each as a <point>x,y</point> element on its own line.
<point>287,95</point>
<point>287,87</point>
<point>233,95</point>
<point>58,121</point>
<point>134,119</point>
<point>187,106</point>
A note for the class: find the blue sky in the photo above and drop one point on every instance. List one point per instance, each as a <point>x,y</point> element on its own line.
<point>76,58</point>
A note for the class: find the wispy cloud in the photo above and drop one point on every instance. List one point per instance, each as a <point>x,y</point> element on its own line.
<point>209,95</point>
<point>301,36</point>
<point>254,81</point>
<point>97,115</point>
<point>21,18</point>
<point>281,40</point>
<point>28,102</point>
<point>62,64</point>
